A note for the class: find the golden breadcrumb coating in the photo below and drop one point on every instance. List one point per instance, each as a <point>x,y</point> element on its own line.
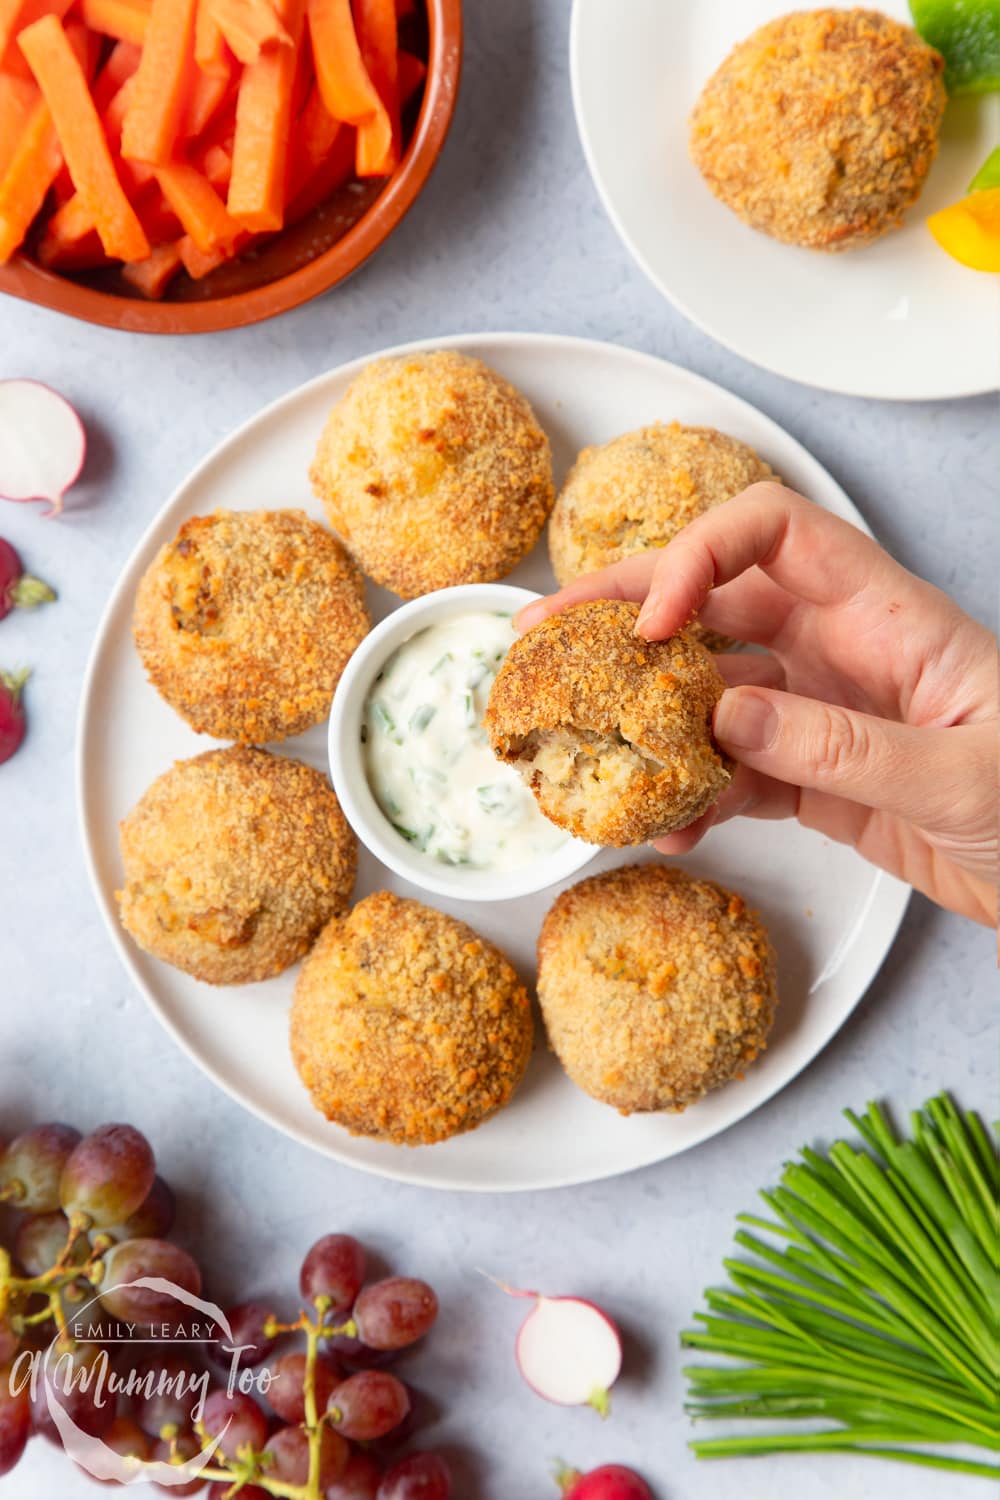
<point>246,620</point>
<point>655,987</point>
<point>435,472</point>
<point>637,492</point>
<point>406,1025</point>
<point>821,127</point>
<point>233,861</point>
<point>611,732</point>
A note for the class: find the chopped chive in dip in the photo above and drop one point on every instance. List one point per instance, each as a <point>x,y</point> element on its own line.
<point>427,757</point>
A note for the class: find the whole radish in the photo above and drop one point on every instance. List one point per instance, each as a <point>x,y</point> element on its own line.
<point>609,1482</point>
<point>18,590</point>
<point>12,720</point>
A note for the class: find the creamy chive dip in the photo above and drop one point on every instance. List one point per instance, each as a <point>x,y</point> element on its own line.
<point>427,757</point>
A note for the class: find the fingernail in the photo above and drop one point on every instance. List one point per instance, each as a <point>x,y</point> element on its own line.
<point>523,621</point>
<point>745,721</point>
<point>647,612</point>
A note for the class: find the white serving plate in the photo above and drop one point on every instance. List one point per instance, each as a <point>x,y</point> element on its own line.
<point>832,916</point>
<point>898,319</point>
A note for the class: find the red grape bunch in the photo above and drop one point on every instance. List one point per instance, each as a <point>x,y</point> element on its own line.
<point>322,1421</point>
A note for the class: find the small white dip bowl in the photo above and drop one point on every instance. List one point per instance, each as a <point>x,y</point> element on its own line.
<point>350,779</point>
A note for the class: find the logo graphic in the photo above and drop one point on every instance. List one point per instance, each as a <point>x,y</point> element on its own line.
<point>80,1371</point>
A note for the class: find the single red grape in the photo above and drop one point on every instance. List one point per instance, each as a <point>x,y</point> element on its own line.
<point>286,1393</point>
<point>334,1267</point>
<point>32,1165</point>
<point>9,1341</point>
<point>251,1346</point>
<point>368,1405</point>
<point>421,1476</point>
<point>108,1175</point>
<point>238,1419</point>
<point>41,1240</point>
<point>127,1439</point>
<point>396,1312</point>
<point>289,1449</point>
<point>76,1380</point>
<point>15,1420</point>
<point>154,1217</point>
<point>187,1446</point>
<point>166,1389</point>
<point>359,1481</point>
<point>132,1259</point>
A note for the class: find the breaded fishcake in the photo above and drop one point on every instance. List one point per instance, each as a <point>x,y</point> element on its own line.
<point>406,1025</point>
<point>821,127</point>
<point>655,987</point>
<point>246,620</point>
<point>636,492</point>
<point>435,472</point>
<point>233,861</point>
<point>611,732</point>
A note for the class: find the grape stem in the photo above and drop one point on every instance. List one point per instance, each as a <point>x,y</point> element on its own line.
<point>248,1467</point>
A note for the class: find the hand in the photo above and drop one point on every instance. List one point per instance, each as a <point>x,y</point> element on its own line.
<point>873,716</point>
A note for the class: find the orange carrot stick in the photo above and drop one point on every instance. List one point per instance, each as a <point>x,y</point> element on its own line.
<point>157,104</point>
<point>35,164</point>
<point>250,25</point>
<point>123,62</point>
<point>263,122</point>
<point>412,72</point>
<point>217,165</point>
<point>71,221</point>
<point>348,92</point>
<point>18,97</point>
<point>125,19</point>
<point>84,254</point>
<point>81,138</point>
<point>208,90</point>
<point>312,141</point>
<point>199,263</point>
<point>210,51</point>
<point>376,30</point>
<point>331,174</point>
<point>153,275</point>
<point>198,206</point>
<point>15,15</point>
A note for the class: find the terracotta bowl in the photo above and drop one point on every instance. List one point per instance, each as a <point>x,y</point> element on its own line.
<point>308,258</point>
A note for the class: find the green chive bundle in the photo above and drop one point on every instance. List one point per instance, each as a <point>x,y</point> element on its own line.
<point>879,1313</point>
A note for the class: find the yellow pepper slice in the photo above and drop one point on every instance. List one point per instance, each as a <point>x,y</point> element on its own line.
<point>970,230</point>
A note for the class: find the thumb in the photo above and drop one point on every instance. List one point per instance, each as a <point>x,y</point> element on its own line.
<point>922,775</point>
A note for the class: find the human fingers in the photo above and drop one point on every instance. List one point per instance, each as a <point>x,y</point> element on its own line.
<point>811,553</point>
<point>750,794</point>
<point>749,608</point>
<point>628,579</point>
<point>931,777</point>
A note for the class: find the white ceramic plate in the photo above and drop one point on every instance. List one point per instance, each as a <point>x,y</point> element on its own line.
<point>832,917</point>
<point>897,319</point>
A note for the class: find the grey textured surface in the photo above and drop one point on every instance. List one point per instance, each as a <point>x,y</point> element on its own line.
<point>509,234</point>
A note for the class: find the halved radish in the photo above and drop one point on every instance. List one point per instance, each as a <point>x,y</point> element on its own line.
<point>42,443</point>
<point>568,1350</point>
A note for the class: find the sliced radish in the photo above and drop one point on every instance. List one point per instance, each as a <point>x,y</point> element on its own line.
<point>42,443</point>
<point>568,1350</point>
